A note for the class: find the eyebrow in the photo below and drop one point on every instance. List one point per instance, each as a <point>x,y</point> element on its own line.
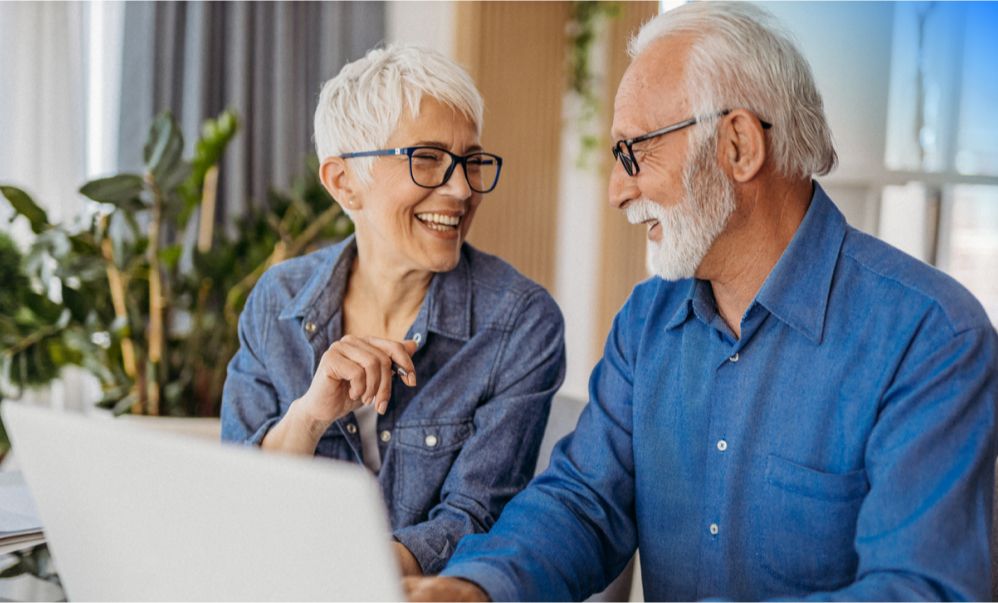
<point>436,143</point>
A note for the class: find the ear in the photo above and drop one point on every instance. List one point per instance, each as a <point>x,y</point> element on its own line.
<point>338,180</point>
<point>742,148</point>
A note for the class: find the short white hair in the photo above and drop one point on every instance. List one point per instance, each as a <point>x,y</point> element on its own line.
<point>360,108</point>
<point>742,59</point>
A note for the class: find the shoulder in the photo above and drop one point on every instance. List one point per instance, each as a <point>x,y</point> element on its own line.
<point>891,277</point>
<point>283,281</point>
<point>502,296</point>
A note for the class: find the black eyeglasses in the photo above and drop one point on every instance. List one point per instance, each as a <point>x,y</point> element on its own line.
<point>623,150</point>
<point>429,168</point>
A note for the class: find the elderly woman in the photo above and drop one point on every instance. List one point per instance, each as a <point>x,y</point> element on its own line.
<point>403,348</point>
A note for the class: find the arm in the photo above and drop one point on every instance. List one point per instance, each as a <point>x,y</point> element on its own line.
<point>572,530</point>
<point>353,371</point>
<point>498,460</point>
<point>924,527</point>
<point>250,405</point>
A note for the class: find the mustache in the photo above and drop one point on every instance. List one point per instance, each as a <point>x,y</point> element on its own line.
<point>642,210</point>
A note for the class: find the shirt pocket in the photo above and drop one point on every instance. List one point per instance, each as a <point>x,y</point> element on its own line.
<point>425,451</point>
<point>809,524</point>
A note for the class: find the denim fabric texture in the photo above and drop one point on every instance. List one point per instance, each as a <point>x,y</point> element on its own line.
<point>460,444</point>
<point>843,448</point>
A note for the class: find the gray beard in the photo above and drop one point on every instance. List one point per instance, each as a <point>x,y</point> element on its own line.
<point>690,228</point>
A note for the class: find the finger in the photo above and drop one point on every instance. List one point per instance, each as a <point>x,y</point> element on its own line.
<point>400,355</point>
<point>385,388</point>
<point>374,362</point>
<point>340,368</point>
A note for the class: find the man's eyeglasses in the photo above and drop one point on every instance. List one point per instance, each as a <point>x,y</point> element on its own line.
<point>431,167</point>
<point>623,150</point>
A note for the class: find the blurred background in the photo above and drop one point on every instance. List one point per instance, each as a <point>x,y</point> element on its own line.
<point>910,89</point>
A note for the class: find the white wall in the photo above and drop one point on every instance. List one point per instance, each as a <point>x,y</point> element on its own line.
<point>423,23</point>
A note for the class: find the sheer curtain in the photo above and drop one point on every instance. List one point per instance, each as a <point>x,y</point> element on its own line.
<point>43,128</point>
<point>267,60</point>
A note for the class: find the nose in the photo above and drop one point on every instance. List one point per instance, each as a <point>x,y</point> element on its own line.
<point>457,185</point>
<point>622,188</point>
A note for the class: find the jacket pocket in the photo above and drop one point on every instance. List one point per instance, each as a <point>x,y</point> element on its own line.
<point>809,524</point>
<point>425,451</point>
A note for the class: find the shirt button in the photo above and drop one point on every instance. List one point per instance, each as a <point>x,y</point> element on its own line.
<point>714,529</point>
<point>351,428</point>
<point>310,327</point>
<point>417,338</point>
<point>733,358</point>
<point>722,445</point>
<point>431,441</point>
<point>386,435</point>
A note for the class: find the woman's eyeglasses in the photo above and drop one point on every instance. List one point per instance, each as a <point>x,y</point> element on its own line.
<point>431,167</point>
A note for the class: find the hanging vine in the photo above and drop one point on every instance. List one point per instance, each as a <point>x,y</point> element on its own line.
<point>582,31</point>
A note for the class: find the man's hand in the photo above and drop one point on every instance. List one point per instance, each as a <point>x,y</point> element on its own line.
<point>442,589</point>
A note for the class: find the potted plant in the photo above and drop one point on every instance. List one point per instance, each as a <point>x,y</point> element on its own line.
<point>126,292</point>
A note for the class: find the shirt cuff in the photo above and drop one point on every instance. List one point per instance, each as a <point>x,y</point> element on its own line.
<point>429,542</point>
<point>257,438</point>
<point>489,578</point>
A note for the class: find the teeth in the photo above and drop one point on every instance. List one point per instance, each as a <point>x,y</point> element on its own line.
<point>439,219</point>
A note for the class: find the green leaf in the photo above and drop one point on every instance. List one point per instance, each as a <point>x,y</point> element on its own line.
<point>122,190</point>
<point>164,146</point>
<point>26,206</point>
<point>170,255</point>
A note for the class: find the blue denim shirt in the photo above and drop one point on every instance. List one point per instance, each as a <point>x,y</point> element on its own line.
<point>843,448</point>
<point>491,356</point>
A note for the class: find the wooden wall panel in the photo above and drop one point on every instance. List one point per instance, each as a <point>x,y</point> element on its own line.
<point>515,51</point>
<point>623,245</point>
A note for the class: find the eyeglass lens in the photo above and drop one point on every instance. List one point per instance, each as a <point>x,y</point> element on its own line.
<point>432,167</point>
<point>624,156</point>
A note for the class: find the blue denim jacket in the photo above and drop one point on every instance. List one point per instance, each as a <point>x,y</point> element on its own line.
<point>491,356</point>
<point>842,448</point>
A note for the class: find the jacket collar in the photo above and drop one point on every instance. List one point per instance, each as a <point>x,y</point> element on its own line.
<point>446,309</point>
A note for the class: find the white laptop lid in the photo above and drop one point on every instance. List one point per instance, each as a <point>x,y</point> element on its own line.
<point>134,514</point>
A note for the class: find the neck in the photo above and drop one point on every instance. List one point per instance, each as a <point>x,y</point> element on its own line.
<point>765,221</point>
<point>382,296</point>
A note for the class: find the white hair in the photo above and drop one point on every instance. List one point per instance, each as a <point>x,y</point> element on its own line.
<point>742,59</point>
<point>360,108</point>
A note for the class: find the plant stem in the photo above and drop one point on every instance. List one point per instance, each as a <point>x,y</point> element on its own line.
<point>116,283</point>
<point>155,355</point>
<point>206,223</point>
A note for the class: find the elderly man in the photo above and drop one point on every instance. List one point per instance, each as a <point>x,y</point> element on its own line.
<point>794,408</point>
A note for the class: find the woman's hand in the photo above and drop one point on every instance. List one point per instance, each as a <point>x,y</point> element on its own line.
<point>407,561</point>
<point>442,589</point>
<point>356,371</point>
<point>352,372</point>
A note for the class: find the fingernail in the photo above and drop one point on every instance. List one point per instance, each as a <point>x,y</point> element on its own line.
<point>412,379</point>
<point>382,407</point>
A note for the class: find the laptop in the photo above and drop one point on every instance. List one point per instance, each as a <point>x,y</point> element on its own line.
<point>132,513</point>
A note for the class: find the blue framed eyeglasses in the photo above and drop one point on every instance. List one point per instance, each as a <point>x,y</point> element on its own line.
<point>623,150</point>
<point>431,167</point>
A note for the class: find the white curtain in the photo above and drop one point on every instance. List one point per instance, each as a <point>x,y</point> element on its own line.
<point>43,125</point>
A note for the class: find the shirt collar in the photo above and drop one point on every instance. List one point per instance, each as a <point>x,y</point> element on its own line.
<point>797,289</point>
<point>446,308</point>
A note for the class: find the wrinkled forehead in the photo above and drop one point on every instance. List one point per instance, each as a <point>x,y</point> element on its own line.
<point>651,92</point>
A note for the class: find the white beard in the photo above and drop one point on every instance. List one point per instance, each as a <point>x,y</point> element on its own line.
<point>689,228</point>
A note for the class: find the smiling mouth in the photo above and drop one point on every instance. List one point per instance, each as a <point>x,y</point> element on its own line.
<point>440,222</point>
